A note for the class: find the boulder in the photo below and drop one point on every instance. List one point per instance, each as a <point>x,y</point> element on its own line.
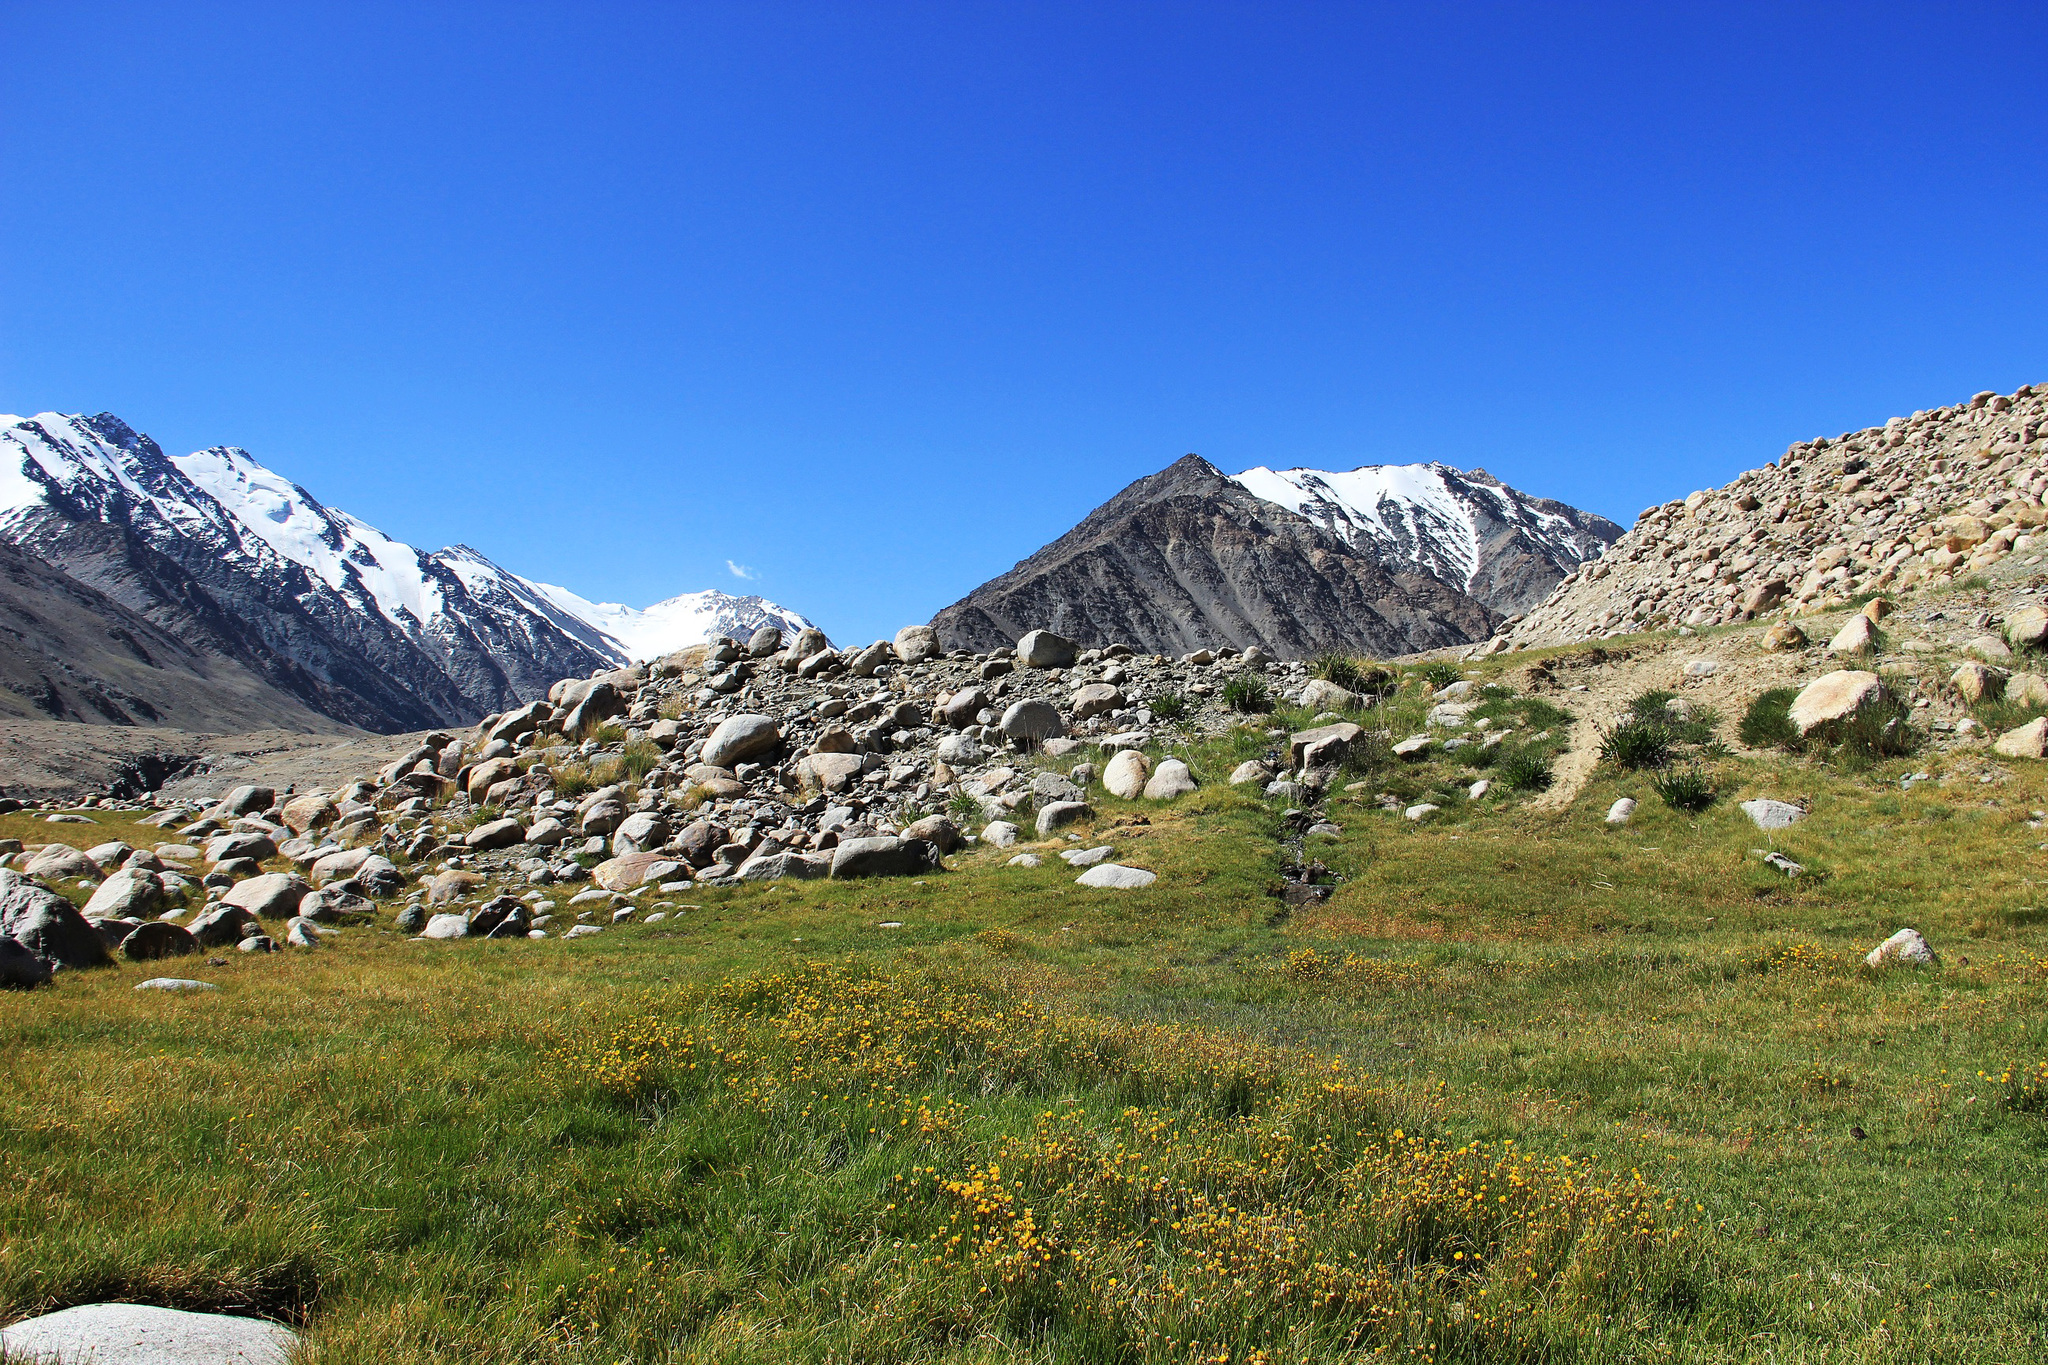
<point>1025,860</point>
<point>935,830</point>
<point>48,925</point>
<point>1763,597</point>
<point>836,740</point>
<point>1621,810</point>
<point>489,774</point>
<point>451,883</point>
<point>1116,877</point>
<point>1032,721</point>
<point>1783,636</point>
<point>332,906</point>
<point>883,855</point>
<point>174,984</point>
<point>221,926</point>
<point>1323,695</point>
<point>1086,857</point>
<point>1169,780</point>
<point>1420,812</point>
<point>1766,814</point>
<point>1977,683</point>
<point>314,810</point>
<point>640,832</point>
<point>60,862</point>
<point>1414,749</point>
<point>1043,649</point>
<point>1058,814</point>
<point>1251,771</point>
<point>546,832</point>
<point>740,738</point>
<point>1000,834</point>
<point>1904,949</point>
<point>378,876</point>
<point>764,642</point>
<point>1125,774</point>
<point>629,870</point>
<point>2027,628</point>
<point>141,1334</point>
<point>915,644</point>
<point>775,867</point>
<point>1096,699</point>
<point>1300,743</point>
<point>2027,689</point>
<point>961,751</point>
<point>602,817</point>
<point>513,724</point>
<point>828,772</point>
<point>301,932</point>
<point>243,801</point>
<point>2028,741</point>
<point>963,707</point>
<point>1858,635</point>
<point>600,703</point>
<point>446,926</point>
<point>1052,787</point>
<point>273,895</point>
<point>864,663</point>
<point>129,892</point>
<point>496,834</point>
<point>228,847</point>
<point>1834,696</point>
<point>20,969</point>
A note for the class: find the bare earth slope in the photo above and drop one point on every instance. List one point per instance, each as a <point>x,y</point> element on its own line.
<point>1188,559</point>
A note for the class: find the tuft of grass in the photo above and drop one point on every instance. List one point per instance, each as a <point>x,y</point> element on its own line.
<point>1340,669</point>
<point>1440,676</point>
<point>1169,707</point>
<point>1524,770</point>
<point>1248,693</point>
<point>1652,707</point>
<point>573,780</point>
<point>1767,724</point>
<point>1881,730</point>
<point>1687,789</point>
<point>1635,745</point>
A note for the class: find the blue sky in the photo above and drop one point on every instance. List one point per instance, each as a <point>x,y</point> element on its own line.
<point>873,299</point>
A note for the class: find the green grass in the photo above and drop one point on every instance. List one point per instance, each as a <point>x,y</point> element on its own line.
<point>753,1132</point>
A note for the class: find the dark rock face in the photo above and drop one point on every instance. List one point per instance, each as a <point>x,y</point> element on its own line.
<point>124,520</point>
<point>1188,559</point>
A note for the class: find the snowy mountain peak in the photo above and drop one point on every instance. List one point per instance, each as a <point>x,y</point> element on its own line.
<point>1468,529</point>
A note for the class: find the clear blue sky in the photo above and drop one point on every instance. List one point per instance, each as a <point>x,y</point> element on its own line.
<point>875,299</point>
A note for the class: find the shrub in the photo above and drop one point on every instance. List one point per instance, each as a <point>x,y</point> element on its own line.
<point>1651,707</point>
<point>1440,676</point>
<point>640,758</point>
<point>573,780</point>
<point>1247,692</point>
<point>1634,745</point>
<point>1767,724</point>
<point>1686,789</point>
<point>1340,669</point>
<point>1168,707</point>
<point>1524,770</point>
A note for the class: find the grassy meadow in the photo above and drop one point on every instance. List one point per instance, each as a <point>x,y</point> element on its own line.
<point>1526,1087</point>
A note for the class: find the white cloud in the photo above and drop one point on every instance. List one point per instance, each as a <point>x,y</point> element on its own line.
<point>740,570</point>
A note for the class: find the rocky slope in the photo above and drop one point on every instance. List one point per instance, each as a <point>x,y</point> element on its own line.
<point>1494,543</point>
<point>1189,559</point>
<point>241,564</point>
<point>1927,499</point>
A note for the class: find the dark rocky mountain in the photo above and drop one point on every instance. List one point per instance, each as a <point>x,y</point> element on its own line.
<point>245,567</point>
<point>1189,558</point>
<point>72,653</point>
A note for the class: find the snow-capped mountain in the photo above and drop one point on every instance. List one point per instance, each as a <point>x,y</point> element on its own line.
<point>1501,546</point>
<point>242,562</point>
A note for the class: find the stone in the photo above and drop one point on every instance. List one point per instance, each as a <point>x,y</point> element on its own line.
<point>1320,694</point>
<point>1858,635</point>
<point>1116,877</point>
<point>379,876</point>
<point>243,801</point>
<point>1906,948</point>
<point>61,862</point>
<point>1478,789</point>
<point>829,772</point>
<point>740,738</point>
<point>546,832</point>
<point>141,1334</point>
<point>1782,863</point>
<point>228,847</point>
<point>1768,814</point>
<point>489,774</point>
<point>640,832</point>
<point>1989,648</point>
<point>1059,814</point>
<point>221,926</point>
<point>1702,668</point>
<point>273,895</point>
<point>963,707</point>
<point>450,883</point>
<point>158,938</point>
<point>1085,857</point>
<point>2027,689</point>
<point>601,818</point>
<point>334,906</point>
<point>1043,649</point>
<point>960,751</point>
<point>496,834</point>
<point>1977,683</point>
<point>836,740</point>
<point>411,919</point>
<point>333,866</point>
<point>882,855</point>
<point>48,925</point>
<point>764,642</point>
<point>1170,780</point>
<point>301,932</point>
<point>629,870</point>
<point>1783,636</point>
<point>1300,743</point>
<point>174,984</point>
<point>1052,787</point>
<point>935,830</point>
<point>1420,812</point>
<point>314,810</point>
<point>1029,721</point>
<point>916,644</point>
<point>1834,696</point>
<point>2028,741</point>
<point>864,664</point>
<point>129,892</point>
<point>1763,597</point>
<point>1025,860</point>
<point>446,926</point>
<point>2027,628</point>
<point>1096,699</point>
<point>1251,771</point>
<point>1415,748</point>
<point>1621,810</point>
<point>1125,774</point>
<point>785,865</point>
<point>20,969</point>
<point>1000,834</point>
<point>257,943</point>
